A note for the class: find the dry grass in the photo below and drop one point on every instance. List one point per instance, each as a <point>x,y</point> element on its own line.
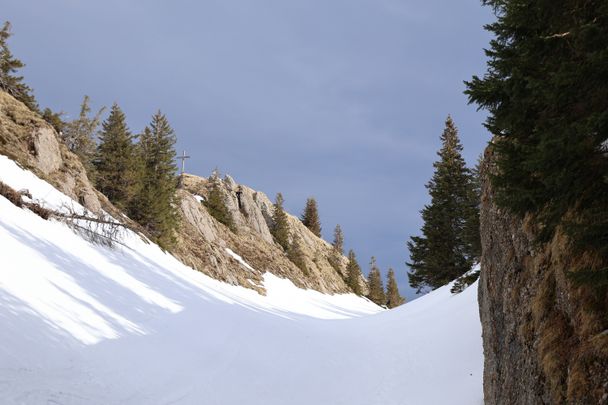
<point>10,194</point>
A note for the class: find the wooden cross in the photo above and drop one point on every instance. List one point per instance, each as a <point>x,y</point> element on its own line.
<point>183,158</point>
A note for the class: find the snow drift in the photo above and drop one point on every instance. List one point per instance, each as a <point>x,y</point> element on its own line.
<point>83,323</point>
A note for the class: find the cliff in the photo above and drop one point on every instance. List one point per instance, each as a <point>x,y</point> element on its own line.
<point>202,242</point>
<point>545,340</point>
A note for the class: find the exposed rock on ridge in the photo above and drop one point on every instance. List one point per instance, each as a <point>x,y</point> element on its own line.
<point>30,141</point>
<point>203,241</point>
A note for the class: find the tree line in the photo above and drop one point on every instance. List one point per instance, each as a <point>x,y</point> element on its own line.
<point>353,278</point>
<point>138,174</point>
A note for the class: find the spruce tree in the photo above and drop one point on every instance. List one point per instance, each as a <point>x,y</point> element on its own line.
<point>546,93</point>
<point>154,205</point>
<point>280,223</point>
<point>393,298</point>
<point>295,253</point>
<point>374,281</point>
<point>353,273</point>
<point>117,162</point>
<point>310,217</point>
<point>338,243</point>
<point>9,66</point>
<point>442,253</point>
<point>79,136</point>
<point>216,203</point>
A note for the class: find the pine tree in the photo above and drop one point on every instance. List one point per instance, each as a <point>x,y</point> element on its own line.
<point>9,66</point>
<point>310,217</point>
<point>393,298</point>
<point>216,203</point>
<point>442,253</point>
<point>280,223</point>
<point>117,162</point>
<point>338,244</point>
<point>79,136</point>
<point>353,272</point>
<point>546,94</point>
<point>374,281</point>
<point>295,253</point>
<point>154,205</point>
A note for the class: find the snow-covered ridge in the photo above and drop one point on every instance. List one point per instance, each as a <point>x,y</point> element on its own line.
<point>83,323</point>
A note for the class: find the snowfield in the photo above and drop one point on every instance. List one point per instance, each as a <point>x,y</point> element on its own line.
<point>85,324</point>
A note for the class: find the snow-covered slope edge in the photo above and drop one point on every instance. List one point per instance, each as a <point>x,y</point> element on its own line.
<point>81,323</point>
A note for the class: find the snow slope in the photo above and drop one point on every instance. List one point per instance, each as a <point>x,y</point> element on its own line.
<point>85,324</point>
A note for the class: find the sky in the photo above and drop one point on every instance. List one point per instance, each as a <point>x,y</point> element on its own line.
<point>343,100</point>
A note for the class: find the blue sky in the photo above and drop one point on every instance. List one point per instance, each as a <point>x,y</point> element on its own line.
<point>343,100</point>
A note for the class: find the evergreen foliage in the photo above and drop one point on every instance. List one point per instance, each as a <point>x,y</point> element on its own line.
<point>79,136</point>
<point>154,205</point>
<point>444,251</point>
<point>116,163</point>
<point>310,217</point>
<point>472,235</point>
<point>54,119</point>
<point>547,96</point>
<point>353,273</point>
<point>393,298</point>
<point>464,281</point>
<point>216,203</point>
<point>9,66</point>
<point>280,223</point>
<point>338,243</point>
<point>335,256</point>
<point>296,254</point>
<point>374,281</point>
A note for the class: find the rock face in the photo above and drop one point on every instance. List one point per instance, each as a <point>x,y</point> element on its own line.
<point>545,340</point>
<point>29,140</point>
<point>205,244</point>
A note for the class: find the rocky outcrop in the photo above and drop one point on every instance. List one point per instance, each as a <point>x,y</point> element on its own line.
<point>206,244</point>
<point>545,340</point>
<point>202,242</point>
<point>29,140</point>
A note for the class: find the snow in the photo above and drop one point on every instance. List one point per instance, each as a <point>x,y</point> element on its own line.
<point>239,259</point>
<point>199,198</point>
<point>86,324</point>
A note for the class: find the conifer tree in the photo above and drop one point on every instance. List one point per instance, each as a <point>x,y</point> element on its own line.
<point>337,251</point>
<point>393,298</point>
<point>295,253</point>
<point>9,65</point>
<point>154,205</point>
<point>545,90</point>
<point>216,203</point>
<point>79,136</point>
<point>117,163</point>
<point>442,253</point>
<point>472,235</point>
<point>353,272</point>
<point>338,243</point>
<point>374,281</point>
<point>310,217</point>
<point>54,119</point>
<point>280,223</point>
